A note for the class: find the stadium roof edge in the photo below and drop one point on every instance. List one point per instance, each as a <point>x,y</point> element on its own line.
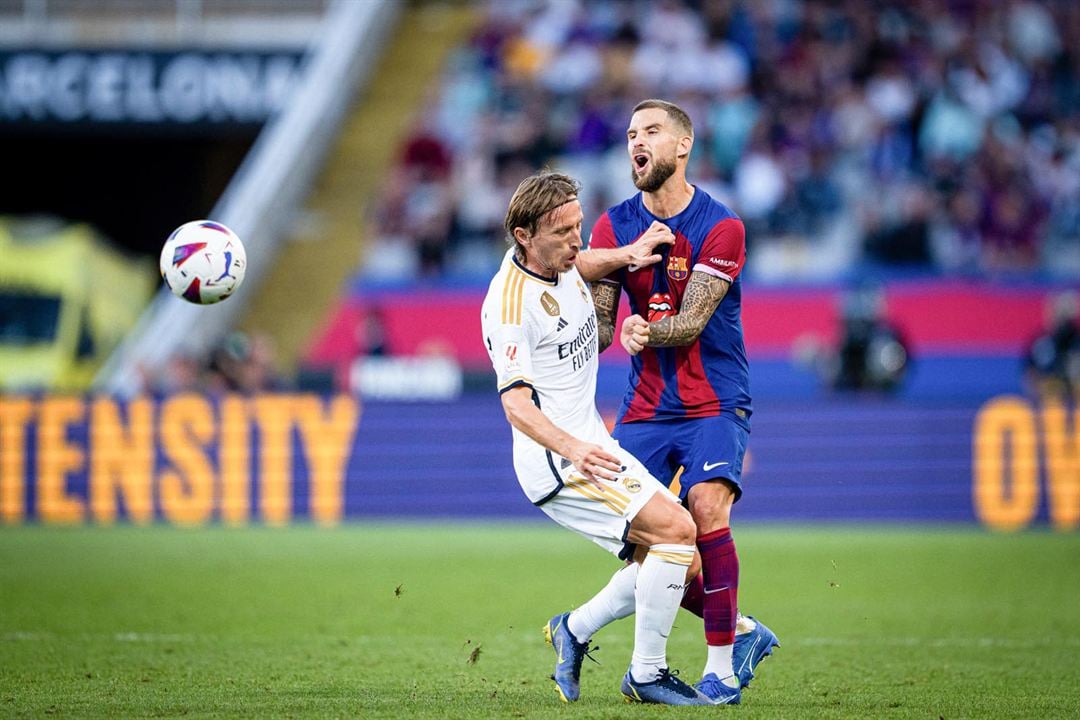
<point>155,26</point>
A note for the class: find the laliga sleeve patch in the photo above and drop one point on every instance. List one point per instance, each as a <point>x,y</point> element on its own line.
<point>550,304</point>
<point>510,357</point>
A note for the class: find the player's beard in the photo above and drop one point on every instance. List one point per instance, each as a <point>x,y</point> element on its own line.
<point>656,177</point>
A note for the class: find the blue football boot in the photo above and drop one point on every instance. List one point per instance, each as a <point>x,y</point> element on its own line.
<point>664,690</point>
<point>569,654</point>
<point>750,649</point>
<point>721,694</point>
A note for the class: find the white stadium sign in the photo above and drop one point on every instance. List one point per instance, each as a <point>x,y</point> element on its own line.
<point>145,87</point>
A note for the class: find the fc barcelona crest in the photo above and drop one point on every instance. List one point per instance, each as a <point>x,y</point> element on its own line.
<point>676,268</point>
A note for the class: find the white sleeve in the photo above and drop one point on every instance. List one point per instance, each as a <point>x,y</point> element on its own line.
<point>510,347</point>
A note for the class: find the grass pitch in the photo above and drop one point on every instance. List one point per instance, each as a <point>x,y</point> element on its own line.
<point>433,621</point>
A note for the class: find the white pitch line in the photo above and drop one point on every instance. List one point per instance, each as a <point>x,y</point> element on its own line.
<point>153,638</point>
<point>937,642</point>
<point>23,636</point>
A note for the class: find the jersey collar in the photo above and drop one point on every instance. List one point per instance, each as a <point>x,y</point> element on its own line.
<point>674,219</point>
<point>538,278</point>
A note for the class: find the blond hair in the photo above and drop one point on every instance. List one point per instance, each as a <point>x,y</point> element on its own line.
<point>535,197</point>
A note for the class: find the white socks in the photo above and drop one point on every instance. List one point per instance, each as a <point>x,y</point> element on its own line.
<point>718,663</point>
<point>661,583</point>
<point>614,602</point>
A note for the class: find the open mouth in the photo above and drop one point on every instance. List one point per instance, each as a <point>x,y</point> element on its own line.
<point>640,161</point>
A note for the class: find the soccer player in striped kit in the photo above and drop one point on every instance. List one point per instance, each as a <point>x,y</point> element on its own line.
<point>688,401</point>
<point>540,331</point>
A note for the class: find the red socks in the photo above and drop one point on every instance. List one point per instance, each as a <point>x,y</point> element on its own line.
<point>694,598</point>
<point>718,587</point>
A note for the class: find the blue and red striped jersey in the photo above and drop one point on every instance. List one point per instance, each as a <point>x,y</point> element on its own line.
<point>709,376</point>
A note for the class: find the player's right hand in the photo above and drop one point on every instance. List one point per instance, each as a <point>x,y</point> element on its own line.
<point>634,334</point>
<point>594,462</point>
<point>643,250</point>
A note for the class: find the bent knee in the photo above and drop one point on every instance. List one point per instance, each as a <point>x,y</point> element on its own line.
<point>680,528</point>
<point>663,521</point>
<point>710,504</point>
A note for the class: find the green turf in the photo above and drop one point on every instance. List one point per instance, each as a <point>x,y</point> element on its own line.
<point>382,621</point>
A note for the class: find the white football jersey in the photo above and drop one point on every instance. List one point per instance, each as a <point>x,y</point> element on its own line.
<point>542,334</point>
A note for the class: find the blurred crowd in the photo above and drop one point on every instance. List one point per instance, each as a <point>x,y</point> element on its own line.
<point>927,135</point>
<point>244,363</point>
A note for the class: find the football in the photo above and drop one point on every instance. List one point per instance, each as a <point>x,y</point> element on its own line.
<point>203,262</point>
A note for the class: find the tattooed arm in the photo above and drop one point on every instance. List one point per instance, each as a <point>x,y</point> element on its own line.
<point>703,296</point>
<point>606,301</point>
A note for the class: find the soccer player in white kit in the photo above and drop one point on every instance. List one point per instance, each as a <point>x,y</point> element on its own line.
<point>540,331</point>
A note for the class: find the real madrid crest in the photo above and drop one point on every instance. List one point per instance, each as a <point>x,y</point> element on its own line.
<point>676,268</point>
<point>550,304</point>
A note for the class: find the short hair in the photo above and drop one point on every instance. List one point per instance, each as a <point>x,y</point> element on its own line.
<point>535,197</point>
<point>677,114</point>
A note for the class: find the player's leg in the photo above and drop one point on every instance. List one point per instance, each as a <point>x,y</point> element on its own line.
<point>753,640</point>
<point>712,451</point>
<point>616,600</point>
<point>707,449</point>
<point>606,515</point>
<point>570,633</point>
<point>711,502</point>
<point>666,529</point>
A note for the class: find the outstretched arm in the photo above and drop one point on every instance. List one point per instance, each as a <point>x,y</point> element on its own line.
<point>601,262</point>
<point>703,295</point>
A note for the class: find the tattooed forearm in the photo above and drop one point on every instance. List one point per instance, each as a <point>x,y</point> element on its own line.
<point>606,302</point>
<point>703,295</point>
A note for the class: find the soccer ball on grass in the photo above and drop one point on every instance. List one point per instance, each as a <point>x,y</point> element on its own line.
<point>203,262</point>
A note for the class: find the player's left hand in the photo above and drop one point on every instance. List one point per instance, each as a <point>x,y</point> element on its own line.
<point>634,334</point>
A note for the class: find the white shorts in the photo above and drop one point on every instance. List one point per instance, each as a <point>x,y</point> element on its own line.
<point>603,515</point>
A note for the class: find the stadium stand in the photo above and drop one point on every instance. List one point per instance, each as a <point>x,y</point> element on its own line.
<point>937,137</point>
<point>920,148</point>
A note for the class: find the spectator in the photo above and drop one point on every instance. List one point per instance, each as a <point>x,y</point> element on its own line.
<point>243,363</point>
<point>1052,361</point>
<point>872,354</point>
<point>938,136</point>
